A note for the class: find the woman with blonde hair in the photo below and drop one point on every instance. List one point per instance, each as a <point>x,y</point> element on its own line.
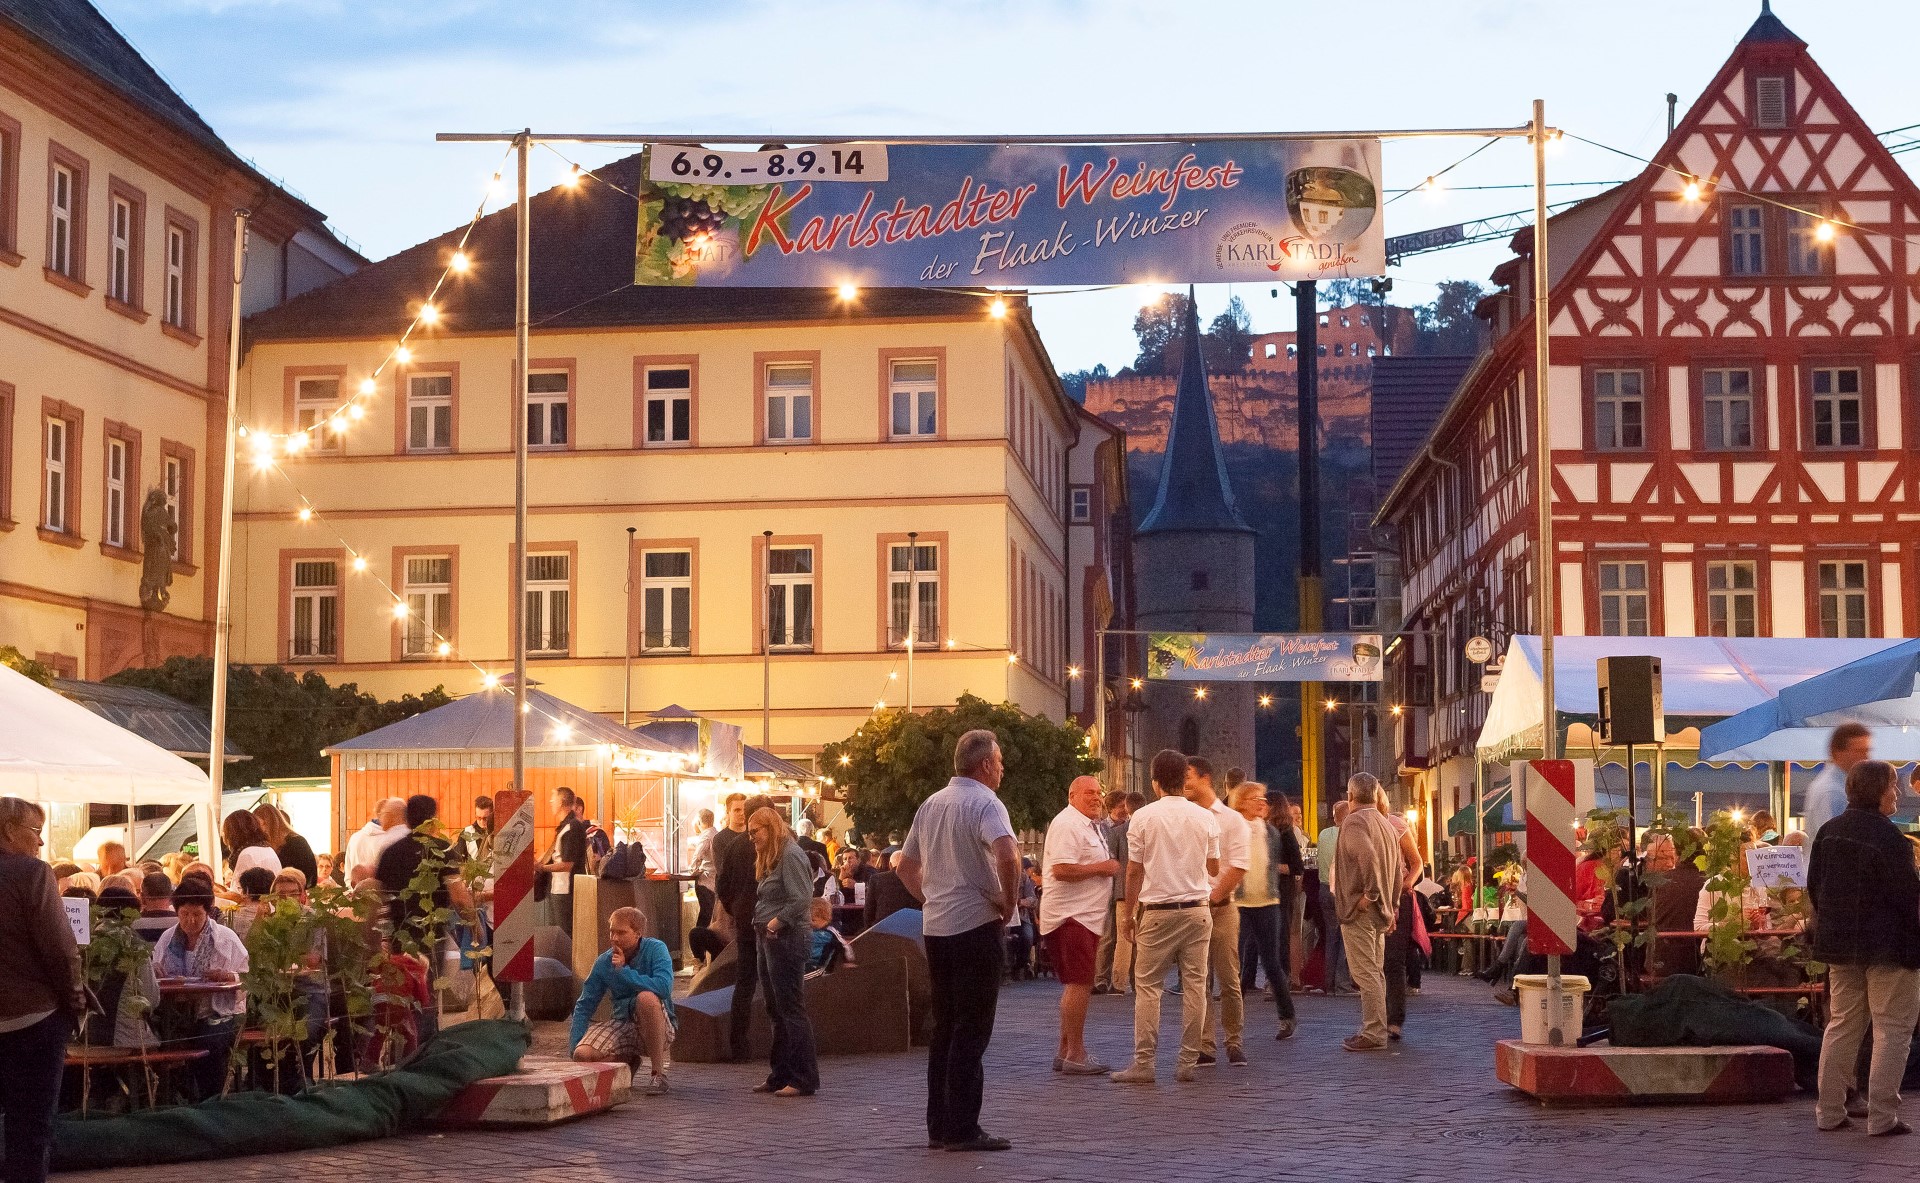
<point>781,926</point>
<point>1271,860</point>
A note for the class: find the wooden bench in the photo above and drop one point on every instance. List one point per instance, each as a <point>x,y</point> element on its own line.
<point>88,1058</point>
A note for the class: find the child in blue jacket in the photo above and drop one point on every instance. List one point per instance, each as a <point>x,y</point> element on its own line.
<point>638,972</point>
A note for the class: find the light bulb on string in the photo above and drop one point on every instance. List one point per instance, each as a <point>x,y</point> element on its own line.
<point>402,354</point>
<point>1692,190</point>
<point>489,682</point>
<point>366,386</point>
<point>359,563</point>
<point>429,314</point>
<point>1824,231</point>
<point>356,411</point>
<point>998,309</point>
<point>297,442</point>
<point>400,610</point>
<point>305,514</point>
<point>338,423</point>
<point>459,263</point>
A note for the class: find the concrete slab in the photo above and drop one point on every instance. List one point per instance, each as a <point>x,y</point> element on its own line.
<point>1608,1075</point>
<point>860,1009</point>
<point>545,1091</point>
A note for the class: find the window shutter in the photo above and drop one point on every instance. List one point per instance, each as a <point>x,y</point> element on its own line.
<point>1770,102</point>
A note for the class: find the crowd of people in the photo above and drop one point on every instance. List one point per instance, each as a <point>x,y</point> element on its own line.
<point>1202,892</point>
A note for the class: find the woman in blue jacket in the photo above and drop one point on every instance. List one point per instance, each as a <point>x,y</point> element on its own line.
<point>638,972</point>
<point>781,924</point>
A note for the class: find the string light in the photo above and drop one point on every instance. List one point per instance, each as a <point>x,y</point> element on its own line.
<point>849,293</point>
<point>460,262</point>
<point>356,411</point>
<point>1073,671</point>
<point>490,681</point>
<point>1013,659</point>
<point>1824,231</point>
<point>1266,700</point>
<point>1692,191</point>
<point>1396,710</point>
<point>1137,683</point>
<point>429,314</point>
<point>400,610</point>
<point>845,760</point>
<point>1332,704</point>
<point>998,309</point>
<point>359,563</point>
<point>305,514</point>
<point>402,354</point>
<point>1200,692</point>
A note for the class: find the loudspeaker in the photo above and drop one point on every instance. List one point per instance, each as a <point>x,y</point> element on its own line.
<point>1630,706</point>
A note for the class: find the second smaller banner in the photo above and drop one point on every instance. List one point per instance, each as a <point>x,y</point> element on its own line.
<point>1264,657</point>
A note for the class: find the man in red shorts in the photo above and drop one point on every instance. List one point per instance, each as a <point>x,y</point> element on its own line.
<point>1077,883</point>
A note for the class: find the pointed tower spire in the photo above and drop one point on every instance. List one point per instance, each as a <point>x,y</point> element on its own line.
<point>1194,491</point>
<point>1769,28</point>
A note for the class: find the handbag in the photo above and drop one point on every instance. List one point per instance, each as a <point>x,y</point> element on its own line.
<point>1420,936</point>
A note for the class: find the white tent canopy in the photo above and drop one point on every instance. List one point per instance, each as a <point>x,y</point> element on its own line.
<point>1702,679</point>
<point>56,751</point>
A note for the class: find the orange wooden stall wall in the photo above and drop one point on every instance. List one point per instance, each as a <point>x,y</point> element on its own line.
<point>455,789</point>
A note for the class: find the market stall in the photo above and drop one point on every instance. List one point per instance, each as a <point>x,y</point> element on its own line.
<point>1881,690</point>
<point>66,757</point>
<point>464,749</point>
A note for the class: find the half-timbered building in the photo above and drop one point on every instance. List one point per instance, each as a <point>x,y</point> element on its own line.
<point>1733,361</point>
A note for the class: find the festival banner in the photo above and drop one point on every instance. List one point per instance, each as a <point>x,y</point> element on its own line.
<point>1264,657</point>
<point>880,215</point>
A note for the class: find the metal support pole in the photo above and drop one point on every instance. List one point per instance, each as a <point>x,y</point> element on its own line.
<point>913,606</point>
<point>1543,497</point>
<point>626,674</point>
<point>1479,831</point>
<point>766,641</point>
<point>223,589</point>
<point>522,252</point>
<point>1313,724</point>
<point>1100,704</point>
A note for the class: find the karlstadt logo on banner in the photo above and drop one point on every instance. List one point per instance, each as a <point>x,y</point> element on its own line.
<point>912,215</point>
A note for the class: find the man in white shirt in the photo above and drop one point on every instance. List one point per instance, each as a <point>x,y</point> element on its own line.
<point>393,820</point>
<point>1077,873</point>
<point>1223,947</point>
<point>1849,744</point>
<point>361,849</point>
<point>1173,851</point>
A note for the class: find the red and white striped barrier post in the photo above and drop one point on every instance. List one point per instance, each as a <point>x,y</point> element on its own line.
<point>1557,794</point>
<point>513,918</point>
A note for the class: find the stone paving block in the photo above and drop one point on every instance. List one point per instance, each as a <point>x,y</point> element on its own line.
<point>1608,1075</point>
<point>545,1091</point>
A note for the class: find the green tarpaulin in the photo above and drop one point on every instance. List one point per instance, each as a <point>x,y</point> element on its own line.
<point>328,1115</point>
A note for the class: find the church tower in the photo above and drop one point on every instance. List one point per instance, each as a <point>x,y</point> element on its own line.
<point>1193,572</point>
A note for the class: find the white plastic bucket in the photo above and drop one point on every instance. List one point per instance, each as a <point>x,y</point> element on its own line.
<point>1536,1020</point>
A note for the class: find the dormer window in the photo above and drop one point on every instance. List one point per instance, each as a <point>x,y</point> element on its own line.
<point>1770,101</point>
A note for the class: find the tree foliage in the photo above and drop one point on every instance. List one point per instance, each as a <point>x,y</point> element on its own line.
<point>899,759</point>
<point>1160,329</point>
<point>1075,381</point>
<point>20,663</point>
<point>278,717</point>
<point>1448,325</point>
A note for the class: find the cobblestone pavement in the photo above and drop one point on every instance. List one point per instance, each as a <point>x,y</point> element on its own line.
<point>1428,1110</point>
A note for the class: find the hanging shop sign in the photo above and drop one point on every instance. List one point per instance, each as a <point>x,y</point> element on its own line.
<point>1264,657</point>
<point>875,215</point>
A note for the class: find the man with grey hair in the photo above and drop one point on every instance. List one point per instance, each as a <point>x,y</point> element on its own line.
<point>961,861</point>
<point>1367,881</point>
<point>362,844</point>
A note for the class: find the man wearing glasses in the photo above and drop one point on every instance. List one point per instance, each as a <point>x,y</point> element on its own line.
<point>42,993</point>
